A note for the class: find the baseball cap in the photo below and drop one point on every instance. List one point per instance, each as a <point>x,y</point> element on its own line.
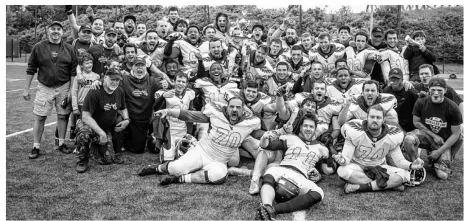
<point>113,73</point>
<point>395,72</point>
<point>110,31</point>
<point>258,26</point>
<point>85,28</point>
<point>436,81</point>
<point>377,31</point>
<point>139,60</point>
<point>56,23</point>
<point>129,17</point>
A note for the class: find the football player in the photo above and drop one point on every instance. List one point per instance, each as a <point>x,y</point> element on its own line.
<point>361,57</point>
<point>298,63</point>
<point>363,159</point>
<point>181,98</point>
<point>290,38</point>
<point>206,162</point>
<point>357,108</point>
<point>344,86</point>
<point>282,78</point>
<point>217,54</point>
<point>305,81</point>
<point>152,46</point>
<point>186,48</point>
<point>326,53</point>
<point>288,183</point>
<point>275,52</point>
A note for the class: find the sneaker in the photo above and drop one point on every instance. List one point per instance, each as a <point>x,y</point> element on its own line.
<point>64,149</point>
<point>169,179</point>
<point>151,169</point>
<point>82,166</point>
<point>351,188</point>
<point>34,153</point>
<point>254,187</point>
<point>267,212</point>
<point>118,159</point>
<point>104,161</point>
<point>400,188</point>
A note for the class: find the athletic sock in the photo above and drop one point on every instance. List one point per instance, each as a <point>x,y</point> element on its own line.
<point>36,145</point>
<point>164,168</point>
<point>61,141</point>
<point>365,187</point>
<point>300,202</point>
<point>185,178</point>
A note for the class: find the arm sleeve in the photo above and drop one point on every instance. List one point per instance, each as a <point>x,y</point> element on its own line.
<point>297,86</point>
<point>429,55</point>
<point>348,150</point>
<point>417,109</point>
<point>277,145</point>
<point>168,48</point>
<point>201,70</point>
<point>32,63</point>
<point>122,96</point>
<point>193,116</point>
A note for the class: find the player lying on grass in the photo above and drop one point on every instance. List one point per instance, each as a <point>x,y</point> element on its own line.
<point>363,158</point>
<point>206,162</point>
<point>288,183</point>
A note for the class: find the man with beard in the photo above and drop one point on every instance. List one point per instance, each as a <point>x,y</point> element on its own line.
<point>99,122</point>
<point>417,53</point>
<point>181,98</point>
<point>218,54</point>
<point>275,52</point>
<point>97,26</point>
<point>162,29</point>
<point>83,42</point>
<point>130,52</point>
<point>173,16</point>
<point>305,81</point>
<point>291,37</point>
<point>357,108</point>
<point>405,99</point>
<point>344,86</point>
<point>438,121</point>
<point>222,26</point>
<point>102,52</point>
<point>55,63</point>
<point>212,89</point>
<point>257,67</point>
<point>308,41</point>
<point>152,46</point>
<point>344,35</point>
<point>363,159</point>
<point>361,57</point>
<point>426,74</point>
<point>121,36</point>
<point>206,162</point>
<point>130,23</point>
<point>186,49</point>
<point>391,55</point>
<point>205,47</point>
<point>326,53</point>
<point>301,154</point>
<point>298,63</point>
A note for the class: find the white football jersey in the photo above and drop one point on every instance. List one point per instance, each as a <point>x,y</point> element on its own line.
<point>273,85</point>
<point>157,55</point>
<point>328,60</point>
<point>302,155</point>
<point>213,93</point>
<point>223,138</point>
<point>359,111</point>
<point>176,102</point>
<point>190,62</point>
<point>356,60</point>
<point>336,92</point>
<point>256,107</point>
<point>370,151</point>
<point>392,59</point>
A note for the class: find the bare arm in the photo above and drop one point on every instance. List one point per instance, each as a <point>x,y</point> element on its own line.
<point>124,113</point>
<point>456,132</point>
<point>74,25</point>
<point>188,116</point>
<point>419,125</point>
<point>343,114</point>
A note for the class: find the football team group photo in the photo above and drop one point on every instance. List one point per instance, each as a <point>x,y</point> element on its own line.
<point>234,112</point>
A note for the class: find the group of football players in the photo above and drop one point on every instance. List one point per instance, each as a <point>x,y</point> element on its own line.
<point>361,105</point>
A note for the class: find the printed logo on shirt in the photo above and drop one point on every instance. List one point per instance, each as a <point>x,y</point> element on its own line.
<point>54,54</point>
<point>110,106</point>
<point>139,93</point>
<point>436,124</point>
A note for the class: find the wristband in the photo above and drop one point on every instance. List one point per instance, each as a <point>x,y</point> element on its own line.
<point>410,166</point>
<point>69,12</point>
<point>128,119</point>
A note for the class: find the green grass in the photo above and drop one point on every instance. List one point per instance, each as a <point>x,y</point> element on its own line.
<point>49,187</point>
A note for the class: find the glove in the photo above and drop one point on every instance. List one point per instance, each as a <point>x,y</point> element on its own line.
<point>68,9</point>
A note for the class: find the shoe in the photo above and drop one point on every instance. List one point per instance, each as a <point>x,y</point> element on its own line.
<point>151,169</point>
<point>64,149</point>
<point>34,153</point>
<point>400,188</point>
<point>82,164</point>
<point>104,161</point>
<point>267,212</point>
<point>169,179</point>
<point>118,159</point>
<point>254,187</point>
<point>351,188</point>
<point>314,175</point>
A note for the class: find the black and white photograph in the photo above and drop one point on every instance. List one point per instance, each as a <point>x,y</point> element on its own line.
<point>233,112</point>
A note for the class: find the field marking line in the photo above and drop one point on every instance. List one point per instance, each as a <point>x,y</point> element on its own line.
<point>20,90</point>
<point>16,79</point>
<point>460,92</point>
<point>30,129</point>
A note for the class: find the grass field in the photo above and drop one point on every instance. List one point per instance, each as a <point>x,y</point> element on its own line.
<point>49,187</point>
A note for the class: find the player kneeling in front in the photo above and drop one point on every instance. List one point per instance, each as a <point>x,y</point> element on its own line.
<point>363,158</point>
<point>206,162</point>
<point>289,183</point>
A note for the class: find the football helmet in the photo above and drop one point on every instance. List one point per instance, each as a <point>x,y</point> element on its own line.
<point>417,177</point>
<point>184,144</point>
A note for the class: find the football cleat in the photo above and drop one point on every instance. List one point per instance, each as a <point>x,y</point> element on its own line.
<point>169,179</point>
<point>64,149</point>
<point>34,153</point>
<point>266,212</point>
<point>254,187</point>
<point>151,169</point>
<point>351,188</point>
<point>417,177</point>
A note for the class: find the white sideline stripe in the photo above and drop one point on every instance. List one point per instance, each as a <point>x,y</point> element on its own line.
<point>20,90</point>
<point>13,79</point>
<point>30,129</point>
<point>460,92</point>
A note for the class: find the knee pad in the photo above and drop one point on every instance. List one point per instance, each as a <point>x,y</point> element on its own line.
<point>216,176</point>
<point>268,179</point>
<point>344,172</point>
